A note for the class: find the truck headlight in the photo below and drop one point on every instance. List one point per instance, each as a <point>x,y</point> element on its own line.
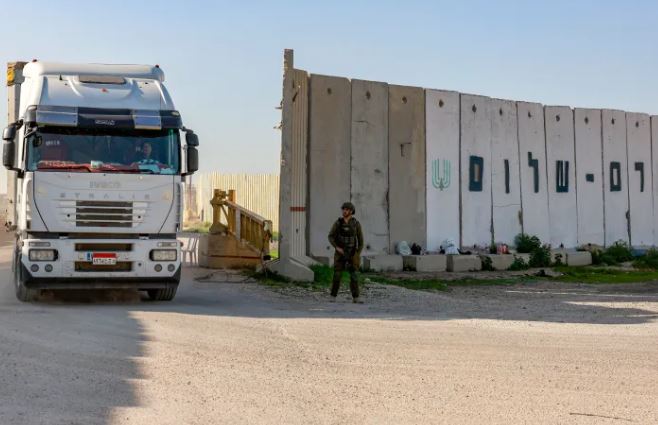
<point>163,255</point>
<point>43,254</point>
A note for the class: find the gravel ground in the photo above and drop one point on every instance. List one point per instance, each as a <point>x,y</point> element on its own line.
<point>233,351</point>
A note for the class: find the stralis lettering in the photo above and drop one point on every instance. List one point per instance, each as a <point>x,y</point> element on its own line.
<point>104,185</point>
<point>112,196</point>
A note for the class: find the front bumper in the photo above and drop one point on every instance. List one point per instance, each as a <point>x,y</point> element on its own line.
<point>73,267</point>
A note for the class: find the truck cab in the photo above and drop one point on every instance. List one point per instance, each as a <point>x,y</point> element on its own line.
<point>97,157</point>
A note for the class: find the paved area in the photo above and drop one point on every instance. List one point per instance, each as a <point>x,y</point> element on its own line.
<point>233,352</point>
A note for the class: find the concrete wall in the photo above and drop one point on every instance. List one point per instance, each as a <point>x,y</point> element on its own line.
<point>589,176</point>
<point>330,118</point>
<point>532,163</point>
<point>505,182</point>
<point>369,163</point>
<point>406,168</point>
<point>640,185</point>
<point>442,167</point>
<point>560,165</point>
<point>654,168</point>
<point>615,192</point>
<point>426,165</point>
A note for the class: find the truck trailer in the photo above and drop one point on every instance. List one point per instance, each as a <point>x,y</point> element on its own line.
<point>96,172</point>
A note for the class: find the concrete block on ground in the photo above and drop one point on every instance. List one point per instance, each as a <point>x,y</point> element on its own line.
<point>500,261</point>
<point>464,263</point>
<point>292,269</point>
<point>383,263</point>
<point>425,263</point>
<point>579,258</point>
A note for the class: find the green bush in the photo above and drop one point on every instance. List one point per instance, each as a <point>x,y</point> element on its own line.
<point>487,264</point>
<point>648,260</point>
<point>619,252</point>
<point>613,255</point>
<point>518,264</point>
<point>558,260</point>
<point>526,243</point>
<point>540,257</point>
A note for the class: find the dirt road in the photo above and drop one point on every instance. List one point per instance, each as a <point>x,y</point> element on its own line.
<point>243,353</point>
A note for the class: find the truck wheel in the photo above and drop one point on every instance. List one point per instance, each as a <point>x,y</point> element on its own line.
<point>165,294</point>
<point>23,293</point>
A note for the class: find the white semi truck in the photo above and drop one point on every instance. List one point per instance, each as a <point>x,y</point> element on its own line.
<point>96,168</point>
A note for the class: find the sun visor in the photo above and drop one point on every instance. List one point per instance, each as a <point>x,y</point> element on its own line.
<point>67,116</point>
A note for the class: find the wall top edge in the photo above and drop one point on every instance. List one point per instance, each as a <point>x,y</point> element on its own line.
<point>519,103</point>
<point>332,77</point>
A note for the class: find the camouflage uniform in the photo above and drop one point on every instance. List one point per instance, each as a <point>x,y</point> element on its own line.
<point>348,236</point>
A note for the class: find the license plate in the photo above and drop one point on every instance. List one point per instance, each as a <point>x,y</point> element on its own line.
<point>104,259</point>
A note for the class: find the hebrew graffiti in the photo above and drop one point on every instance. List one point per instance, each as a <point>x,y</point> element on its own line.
<point>562,176</point>
<point>475,172</point>
<point>615,176</point>
<point>440,180</point>
<point>507,176</point>
<point>639,166</point>
<point>534,164</point>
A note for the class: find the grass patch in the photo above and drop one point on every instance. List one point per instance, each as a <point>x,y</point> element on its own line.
<point>604,275</point>
<point>324,276</point>
<point>198,228</point>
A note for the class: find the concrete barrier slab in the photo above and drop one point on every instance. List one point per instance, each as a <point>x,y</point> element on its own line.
<point>579,258</point>
<point>475,170</point>
<point>532,162</point>
<point>525,257</point>
<point>589,176</point>
<point>464,263</point>
<point>442,167</point>
<point>506,187</point>
<point>369,164</point>
<point>615,176</point>
<point>561,167</point>
<point>383,263</point>
<point>500,261</point>
<point>406,156</point>
<point>425,263</point>
<point>638,131</point>
<point>329,157</point>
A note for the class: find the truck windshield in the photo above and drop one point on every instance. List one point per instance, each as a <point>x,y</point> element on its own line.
<point>102,150</point>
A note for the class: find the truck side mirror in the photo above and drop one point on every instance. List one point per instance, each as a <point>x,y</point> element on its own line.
<point>9,133</point>
<point>8,153</point>
<point>192,159</point>
<point>191,139</point>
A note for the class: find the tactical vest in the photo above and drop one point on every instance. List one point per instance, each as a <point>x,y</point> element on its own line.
<point>346,234</point>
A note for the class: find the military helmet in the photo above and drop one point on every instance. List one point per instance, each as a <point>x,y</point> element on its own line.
<point>349,206</point>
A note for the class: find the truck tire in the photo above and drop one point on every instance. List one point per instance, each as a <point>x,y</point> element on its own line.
<point>164,294</point>
<point>23,293</point>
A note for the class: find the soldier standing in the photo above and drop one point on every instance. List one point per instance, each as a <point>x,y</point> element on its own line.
<point>346,237</point>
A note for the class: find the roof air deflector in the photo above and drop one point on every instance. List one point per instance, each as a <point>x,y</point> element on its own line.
<point>102,79</point>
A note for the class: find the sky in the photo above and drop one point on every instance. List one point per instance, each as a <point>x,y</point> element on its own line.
<point>223,59</point>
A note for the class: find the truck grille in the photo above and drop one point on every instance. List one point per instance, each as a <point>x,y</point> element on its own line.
<point>103,213</point>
